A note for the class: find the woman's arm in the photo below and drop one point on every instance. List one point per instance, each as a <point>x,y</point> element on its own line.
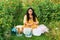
<point>25,19</point>
<point>36,22</point>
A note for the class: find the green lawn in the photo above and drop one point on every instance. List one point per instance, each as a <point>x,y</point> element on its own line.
<point>42,37</point>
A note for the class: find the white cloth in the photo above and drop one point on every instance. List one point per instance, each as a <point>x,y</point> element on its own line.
<point>36,32</point>
<point>27,30</point>
<point>39,30</point>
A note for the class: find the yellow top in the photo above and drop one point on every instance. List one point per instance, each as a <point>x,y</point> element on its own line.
<point>30,22</point>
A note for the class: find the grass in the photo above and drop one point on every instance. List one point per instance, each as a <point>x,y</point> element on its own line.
<point>42,37</point>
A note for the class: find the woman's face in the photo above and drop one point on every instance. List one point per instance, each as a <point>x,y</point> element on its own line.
<point>30,11</point>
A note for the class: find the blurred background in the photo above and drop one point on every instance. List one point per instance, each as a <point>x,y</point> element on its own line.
<point>12,13</point>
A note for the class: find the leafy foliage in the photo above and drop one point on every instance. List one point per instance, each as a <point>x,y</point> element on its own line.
<point>8,11</point>
<point>49,12</point>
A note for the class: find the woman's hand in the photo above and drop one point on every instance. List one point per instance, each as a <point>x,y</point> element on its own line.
<point>28,24</point>
<point>36,23</point>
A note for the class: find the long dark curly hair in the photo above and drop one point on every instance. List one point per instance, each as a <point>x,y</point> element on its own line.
<point>33,14</point>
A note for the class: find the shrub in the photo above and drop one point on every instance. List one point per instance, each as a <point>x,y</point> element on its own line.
<point>8,11</point>
<point>48,12</point>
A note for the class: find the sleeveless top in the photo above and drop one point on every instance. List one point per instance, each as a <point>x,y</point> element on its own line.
<point>30,22</point>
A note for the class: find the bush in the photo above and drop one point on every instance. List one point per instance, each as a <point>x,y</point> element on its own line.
<point>8,11</point>
<point>49,12</point>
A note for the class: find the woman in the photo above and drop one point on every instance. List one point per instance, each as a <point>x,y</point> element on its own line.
<point>31,24</point>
